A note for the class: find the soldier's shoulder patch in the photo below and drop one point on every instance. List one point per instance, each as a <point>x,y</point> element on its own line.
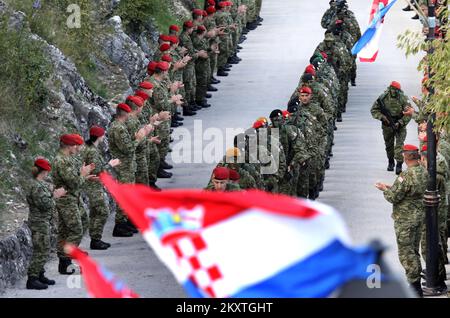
<point>401,179</point>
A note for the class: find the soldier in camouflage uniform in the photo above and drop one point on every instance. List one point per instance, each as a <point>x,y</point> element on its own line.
<point>122,145</point>
<point>224,21</point>
<point>98,206</point>
<point>68,174</point>
<point>213,36</point>
<point>293,142</point>
<point>406,195</point>
<point>202,66</point>
<point>311,120</point>
<point>220,181</point>
<point>40,198</point>
<point>347,39</point>
<point>394,132</point>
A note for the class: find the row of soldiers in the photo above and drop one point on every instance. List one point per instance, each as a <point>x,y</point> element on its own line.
<point>138,137</point>
<point>289,152</point>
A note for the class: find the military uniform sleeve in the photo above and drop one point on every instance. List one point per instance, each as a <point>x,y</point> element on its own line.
<point>404,121</point>
<point>398,190</point>
<point>299,146</point>
<point>42,198</point>
<point>375,111</point>
<point>70,175</point>
<point>123,141</point>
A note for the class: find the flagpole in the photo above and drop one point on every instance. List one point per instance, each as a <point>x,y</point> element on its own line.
<point>431,197</point>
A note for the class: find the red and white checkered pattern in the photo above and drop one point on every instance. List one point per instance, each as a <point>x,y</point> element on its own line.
<point>194,261</point>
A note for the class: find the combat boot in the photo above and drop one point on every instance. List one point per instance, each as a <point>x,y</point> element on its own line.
<point>407,8</point>
<point>45,280</point>
<point>398,167</point>
<point>163,174</point>
<point>339,118</point>
<point>163,164</point>
<point>64,263</point>
<point>208,95</point>
<point>203,103</point>
<point>214,80</point>
<point>98,245</point>
<point>221,72</point>
<point>120,230</point>
<point>391,165</point>
<point>353,82</point>
<point>175,124</point>
<point>188,112</point>
<point>34,283</point>
<point>416,17</point>
<point>178,118</point>
<point>154,186</point>
<point>131,226</point>
<point>212,88</point>
<point>417,288</point>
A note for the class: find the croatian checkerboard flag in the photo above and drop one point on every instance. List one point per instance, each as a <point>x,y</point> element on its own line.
<point>244,243</point>
<point>100,283</point>
<point>367,46</point>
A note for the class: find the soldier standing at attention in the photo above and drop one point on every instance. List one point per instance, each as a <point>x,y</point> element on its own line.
<point>122,145</point>
<point>98,206</point>
<point>67,174</point>
<point>406,195</point>
<point>389,108</point>
<point>40,197</point>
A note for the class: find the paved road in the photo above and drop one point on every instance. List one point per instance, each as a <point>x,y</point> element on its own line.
<point>274,56</point>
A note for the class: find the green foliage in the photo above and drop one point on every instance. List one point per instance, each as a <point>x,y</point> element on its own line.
<point>136,13</point>
<point>24,69</point>
<point>437,64</point>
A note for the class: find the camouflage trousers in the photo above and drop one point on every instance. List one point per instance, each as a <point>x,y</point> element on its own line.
<point>72,222</point>
<point>190,82</point>
<point>126,173</point>
<point>163,132</point>
<point>152,162</point>
<point>394,142</point>
<point>40,237</point>
<point>258,4</point>
<point>288,184</point>
<point>354,68</point>
<point>98,210</point>
<point>306,177</point>
<point>225,49</point>
<point>141,175</point>
<point>213,64</point>
<point>408,242</point>
<point>202,73</point>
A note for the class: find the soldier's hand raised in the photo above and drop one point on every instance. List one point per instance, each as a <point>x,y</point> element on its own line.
<point>155,140</point>
<point>114,162</point>
<point>86,169</point>
<point>58,193</point>
<point>409,111</point>
<point>140,134</point>
<point>164,115</point>
<point>92,177</point>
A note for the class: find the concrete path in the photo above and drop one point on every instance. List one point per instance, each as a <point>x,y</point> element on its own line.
<point>274,57</point>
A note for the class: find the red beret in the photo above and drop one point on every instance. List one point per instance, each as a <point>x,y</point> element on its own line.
<point>174,40</point>
<point>424,148</point>
<point>201,28</point>
<point>324,55</point>
<point>174,27</point>
<point>339,22</point>
<point>223,4</point>
<point>43,164</point>
<point>310,70</point>
<point>163,66</point>
<point>204,13</point>
<point>71,139</point>
<point>164,47</point>
<point>212,2</point>
<point>166,58</point>
<point>124,107</point>
<point>138,101</point>
<point>305,90</point>
<point>396,85</point>
<point>229,3</point>
<point>151,67</point>
<point>197,12</point>
<point>234,175</point>
<point>210,10</point>
<point>188,24</point>
<point>146,85</point>
<point>96,131</point>
<point>258,124</point>
<point>425,138</point>
<point>286,113</point>
<point>142,94</point>
<point>409,147</point>
<point>164,37</point>
<point>221,173</point>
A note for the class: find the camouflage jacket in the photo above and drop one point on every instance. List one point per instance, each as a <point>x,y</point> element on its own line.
<point>294,144</point>
<point>40,200</point>
<point>406,194</point>
<point>186,41</point>
<point>160,98</point>
<point>66,174</point>
<point>395,105</point>
<point>133,125</point>
<point>122,145</point>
